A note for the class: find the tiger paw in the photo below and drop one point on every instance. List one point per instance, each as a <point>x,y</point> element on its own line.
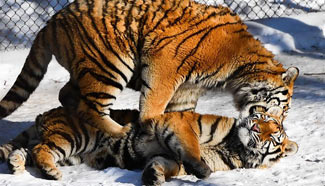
<point>16,161</point>
<point>126,129</point>
<point>51,172</point>
<point>153,176</point>
<point>44,160</point>
<point>198,168</point>
<point>122,132</point>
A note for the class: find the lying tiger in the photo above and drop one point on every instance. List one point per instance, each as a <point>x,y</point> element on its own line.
<point>58,136</point>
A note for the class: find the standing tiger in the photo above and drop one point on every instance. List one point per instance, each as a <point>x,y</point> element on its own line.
<point>59,136</point>
<point>173,50</point>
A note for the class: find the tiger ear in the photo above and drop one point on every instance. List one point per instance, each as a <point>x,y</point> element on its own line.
<point>291,148</point>
<point>275,111</point>
<point>290,75</point>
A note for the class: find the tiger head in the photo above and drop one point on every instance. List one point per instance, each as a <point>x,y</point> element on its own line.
<point>264,138</point>
<point>266,89</point>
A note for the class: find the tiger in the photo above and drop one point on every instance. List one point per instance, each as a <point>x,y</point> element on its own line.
<point>172,51</point>
<point>225,143</point>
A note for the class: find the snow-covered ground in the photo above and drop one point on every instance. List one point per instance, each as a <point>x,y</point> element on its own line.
<point>303,39</point>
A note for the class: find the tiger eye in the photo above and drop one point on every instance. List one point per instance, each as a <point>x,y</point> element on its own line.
<point>285,92</point>
<point>254,91</point>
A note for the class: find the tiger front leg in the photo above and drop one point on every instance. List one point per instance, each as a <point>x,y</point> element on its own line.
<point>158,89</point>
<point>179,134</point>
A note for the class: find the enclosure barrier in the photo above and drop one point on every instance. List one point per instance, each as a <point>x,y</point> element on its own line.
<point>20,20</point>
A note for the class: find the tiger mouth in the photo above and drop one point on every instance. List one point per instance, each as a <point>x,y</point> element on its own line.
<point>253,136</point>
<point>255,128</point>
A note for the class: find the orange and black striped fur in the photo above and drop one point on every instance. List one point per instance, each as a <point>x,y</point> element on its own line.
<point>173,50</point>
<point>165,150</point>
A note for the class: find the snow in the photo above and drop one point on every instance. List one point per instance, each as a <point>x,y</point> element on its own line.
<point>300,34</point>
<point>255,9</point>
<point>297,41</point>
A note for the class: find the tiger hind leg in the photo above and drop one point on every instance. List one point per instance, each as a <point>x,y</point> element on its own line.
<point>69,95</point>
<point>26,139</point>
<point>72,160</point>
<point>185,98</point>
<point>158,169</point>
<point>45,160</point>
<point>98,93</point>
<point>5,150</point>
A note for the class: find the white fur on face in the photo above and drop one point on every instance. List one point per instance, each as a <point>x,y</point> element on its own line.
<point>244,136</point>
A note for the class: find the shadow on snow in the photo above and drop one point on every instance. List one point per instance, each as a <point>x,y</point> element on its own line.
<point>301,33</point>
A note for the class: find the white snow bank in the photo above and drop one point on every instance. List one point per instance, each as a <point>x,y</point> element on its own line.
<point>296,33</point>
